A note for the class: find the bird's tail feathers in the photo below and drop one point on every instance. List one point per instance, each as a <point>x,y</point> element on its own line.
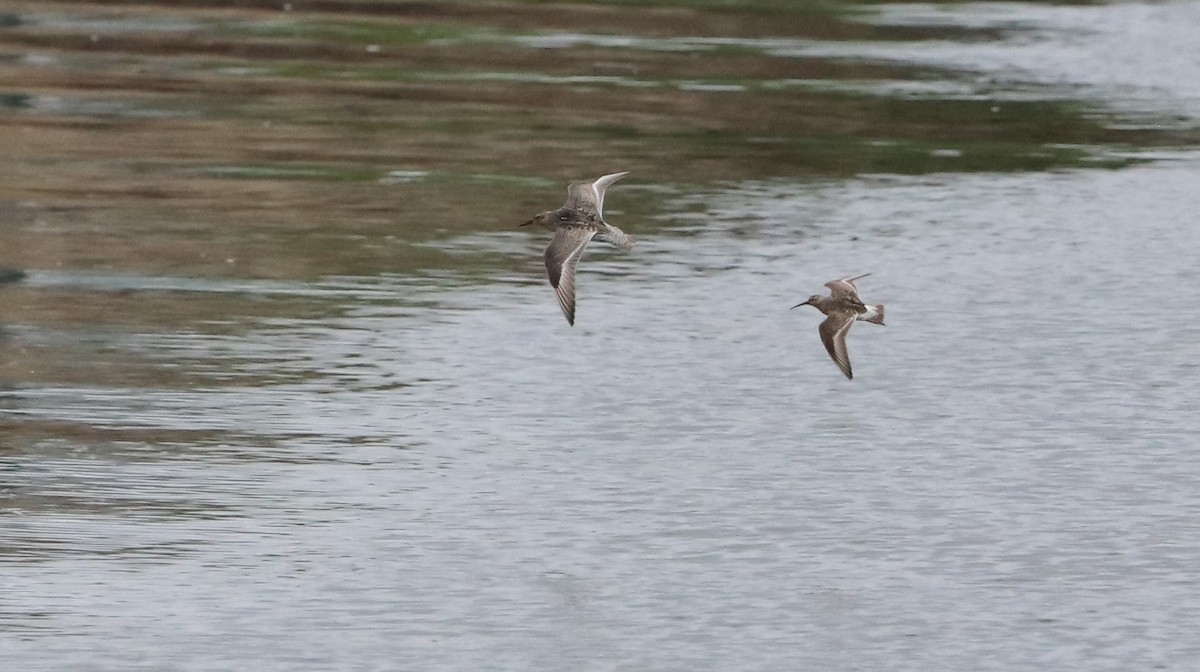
<point>877,318</point>
<point>614,236</point>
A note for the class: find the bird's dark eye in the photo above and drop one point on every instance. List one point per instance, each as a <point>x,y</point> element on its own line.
<point>562,216</point>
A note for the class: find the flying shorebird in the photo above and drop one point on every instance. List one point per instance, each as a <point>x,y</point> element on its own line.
<point>842,308</point>
<point>578,221</point>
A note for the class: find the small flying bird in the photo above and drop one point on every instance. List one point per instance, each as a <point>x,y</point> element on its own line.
<point>842,308</point>
<point>577,222</point>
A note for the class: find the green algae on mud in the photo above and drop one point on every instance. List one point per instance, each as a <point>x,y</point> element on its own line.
<point>379,34</point>
<point>271,138</point>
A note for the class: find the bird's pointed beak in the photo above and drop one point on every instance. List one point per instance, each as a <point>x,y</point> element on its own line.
<point>526,223</point>
<point>800,304</point>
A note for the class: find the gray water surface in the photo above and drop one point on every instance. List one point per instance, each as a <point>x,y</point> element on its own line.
<point>423,472</point>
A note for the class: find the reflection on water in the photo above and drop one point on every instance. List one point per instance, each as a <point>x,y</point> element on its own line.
<point>281,380</point>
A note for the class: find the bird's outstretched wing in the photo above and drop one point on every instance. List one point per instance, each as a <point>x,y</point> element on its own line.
<point>589,197</point>
<point>833,334</point>
<point>844,286</point>
<point>562,254</point>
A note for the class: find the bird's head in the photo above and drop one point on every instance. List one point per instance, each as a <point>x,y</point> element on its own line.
<point>812,301</point>
<point>546,220</point>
